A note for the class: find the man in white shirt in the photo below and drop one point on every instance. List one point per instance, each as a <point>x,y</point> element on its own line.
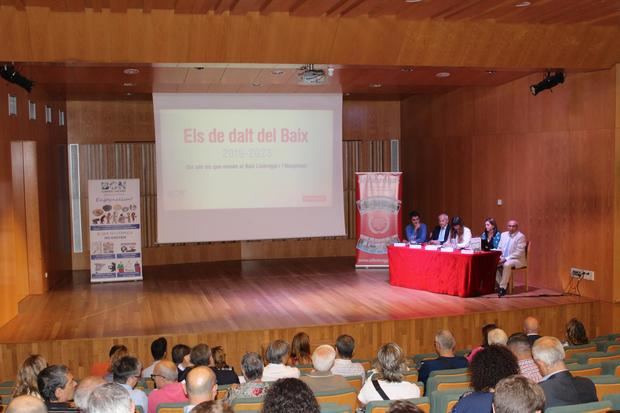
<point>277,356</point>
<point>345,344</point>
<point>126,372</point>
<point>159,349</point>
<point>513,245</point>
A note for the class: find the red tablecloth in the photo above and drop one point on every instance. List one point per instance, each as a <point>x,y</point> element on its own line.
<point>465,275</point>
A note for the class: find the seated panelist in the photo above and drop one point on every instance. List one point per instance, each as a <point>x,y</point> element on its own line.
<point>441,231</point>
<point>415,232</point>
<point>460,235</point>
<point>490,236</point>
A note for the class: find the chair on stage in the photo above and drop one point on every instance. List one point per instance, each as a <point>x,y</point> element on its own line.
<point>171,407</point>
<point>382,406</point>
<point>528,247</point>
<point>594,407</point>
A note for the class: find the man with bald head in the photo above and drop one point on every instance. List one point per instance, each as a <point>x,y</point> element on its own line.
<point>200,386</point>
<point>26,404</point>
<point>168,390</point>
<point>512,244</point>
<point>321,378</point>
<point>530,328</point>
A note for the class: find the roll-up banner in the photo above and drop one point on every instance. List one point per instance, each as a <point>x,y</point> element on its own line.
<point>115,236</point>
<point>378,196</point>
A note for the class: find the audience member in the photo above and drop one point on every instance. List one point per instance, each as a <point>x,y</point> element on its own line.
<point>180,357</point>
<point>530,328</point>
<point>168,390</point>
<point>103,368</point>
<point>321,379</point>
<point>485,341</point>
<point>57,386</point>
<point>460,235</point>
<point>126,372</point>
<point>290,395</point>
<point>159,349</point>
<point>441,232</point>
<point>223,372</point>
<point>119,352</point>
<point>252,369</point>
<point>487,368</point>
<point>26,381</point>
<point>277,355</point>
<point>512,244</point>
<point>300,350</point>
<point>201,386</point>
<point>213,406</point>
<point>519,344</point>
<point>517,394</point>
<point>26,404</point>
<point>199,356</point>
<point>345,344</point>
<point>576,333</point>
<point>83,390</point>
<point>560,387</point>
<point>110,398</point>
<point>498,336</point>
<point>387,383</point>
<point>490,236</point>
<point>444,346</point>
<point>415,232</point>
<point>403,406</point>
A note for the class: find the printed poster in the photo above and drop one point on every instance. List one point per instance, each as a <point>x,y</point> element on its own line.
<point>115,236</point>
<point>379,198</point>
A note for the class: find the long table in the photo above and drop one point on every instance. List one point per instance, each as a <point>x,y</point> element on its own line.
<point>454,273</point>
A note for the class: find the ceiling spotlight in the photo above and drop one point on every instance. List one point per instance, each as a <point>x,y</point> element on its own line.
<point>131,71</point>
<point>523,4</point>
<point>443,74</point>
<point>551,80</point>
<point>10,74</point>
<point>375,85</point>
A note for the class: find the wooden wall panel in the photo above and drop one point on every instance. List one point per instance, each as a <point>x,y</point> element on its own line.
<point>550,158</point>
<point>415,336</point>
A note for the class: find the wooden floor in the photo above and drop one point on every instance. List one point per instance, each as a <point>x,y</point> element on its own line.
<point>240,296</point>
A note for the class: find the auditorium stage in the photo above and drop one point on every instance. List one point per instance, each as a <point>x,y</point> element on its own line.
<point>242,295</point>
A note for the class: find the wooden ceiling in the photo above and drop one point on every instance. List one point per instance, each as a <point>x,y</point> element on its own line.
<point>86,81</point>
<point>599,12</point>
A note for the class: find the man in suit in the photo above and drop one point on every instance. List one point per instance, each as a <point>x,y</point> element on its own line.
<point>442,231</point>
<point>447,360</point>
<point>559,386</point>
<point>530,328</point>
<point>512,244</point>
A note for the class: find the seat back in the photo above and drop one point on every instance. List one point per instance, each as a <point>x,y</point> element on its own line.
<point>346,397</point>
<point>411,376</point>
<point>614,399</point>
<point>585,370</point>
<point>450,372</point>
<point>247,404</point>
<point>602,358</point>
<point>606,385</point>
<point>171,407</point>
<point>571,351</point>
<point>447,383</point>
<point>8,383</point>
<point>304,368</point>
<point>442,401</point>
<point>382,406</point>
<point>367,364</point>
<point>222,391</point>
<point>355,382</point>
<point>335,408</point>
<point>594,407</point>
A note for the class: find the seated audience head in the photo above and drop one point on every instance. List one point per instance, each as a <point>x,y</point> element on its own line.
<point>403,406</point>
<point>443,219</point>
<point>513,226</point>
<point>517,394</point>
<point>201,355</point>
<point>548,353</point>
<point>26,404</point>
<point>485,333</point>
<point>323,358</point>
<point>345,344</point>
<point>456,225</point>
<point>213,406</point>
<point>498,336</point>
<point>56,384</point>
<point>219,357</point>
<point>530,325</point>
<point>117,352</point>
<point>252,366</point>
<point>83,390</point>
<point>300,347</point>
<point>490,225</point>
<point>200,385</point>
<point>180,354</point>
<point>490,365</point>
<point>110,398</point>
<point>159,348</point>
<point>126,370</point>
<point>277,352</point>
<point>290,396</point>
<point>390,363</point>
<point>445,343</point>
<point>576,333</point>
<point>26,382</point>
<point>520,346</point>
<point>164,373</point>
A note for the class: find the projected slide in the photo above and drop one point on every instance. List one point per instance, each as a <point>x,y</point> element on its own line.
<point>250,158</point>
<point>244,167</point>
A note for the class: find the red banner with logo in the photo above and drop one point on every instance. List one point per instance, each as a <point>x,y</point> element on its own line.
<point>378,201</point>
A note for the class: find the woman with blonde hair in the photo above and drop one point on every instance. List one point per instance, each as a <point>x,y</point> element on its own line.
<point>26,382</point>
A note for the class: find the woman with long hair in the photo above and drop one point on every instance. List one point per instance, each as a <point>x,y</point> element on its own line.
<point>490,236</point>
<point>300,350</point>
<point>460,235</point>
<point>26,382</point>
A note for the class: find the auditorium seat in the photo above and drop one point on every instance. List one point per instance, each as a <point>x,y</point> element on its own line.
<point>335,408</point>
<point>6,391</point>
<point>305,368</point>
<point>222,391</point>
<point>611,367</point>
<point>419,358</point>
<point>171,407</point>
<point>597,357</point>
<point>594,407</point>
<point>614,399</point>
<point>355,382</point>
<point>346,397</point>
<point>254,404</point>
<point>8,383</point>
<point>411,376</point>
<point>585,369</point>
<point>447,383</point>
<point>442,401</point>
<point>572,351</point>
<point>608,346</point>
<point>606,385</point>
<point>382,406</point>
<point>450,372</point>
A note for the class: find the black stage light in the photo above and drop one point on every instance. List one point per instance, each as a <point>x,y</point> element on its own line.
<point>550,80</point>
<point>9,73</point>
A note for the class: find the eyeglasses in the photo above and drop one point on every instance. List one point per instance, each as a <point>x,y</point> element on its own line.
<point>155,375</point>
